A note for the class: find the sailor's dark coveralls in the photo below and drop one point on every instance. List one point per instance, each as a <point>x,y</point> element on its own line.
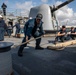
<point>61,38</point>
<point>17,28</point>
<point>73,35</point>
<point>32,29</point>
<point>3,28</point>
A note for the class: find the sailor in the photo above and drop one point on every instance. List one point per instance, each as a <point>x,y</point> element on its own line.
<point>33,27</point>
<point>9,29</point>
<point>3,28</point>
<point>17,25</point>
<point>61,35</point>
<point>73,33</point>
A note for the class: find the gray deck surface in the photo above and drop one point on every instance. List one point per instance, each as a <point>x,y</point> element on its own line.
<point>43,62</point>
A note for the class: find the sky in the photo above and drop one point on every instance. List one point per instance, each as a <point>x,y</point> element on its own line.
<point>65,15</point>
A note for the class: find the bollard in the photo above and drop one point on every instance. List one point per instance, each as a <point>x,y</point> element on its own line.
<point>5,58</point>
